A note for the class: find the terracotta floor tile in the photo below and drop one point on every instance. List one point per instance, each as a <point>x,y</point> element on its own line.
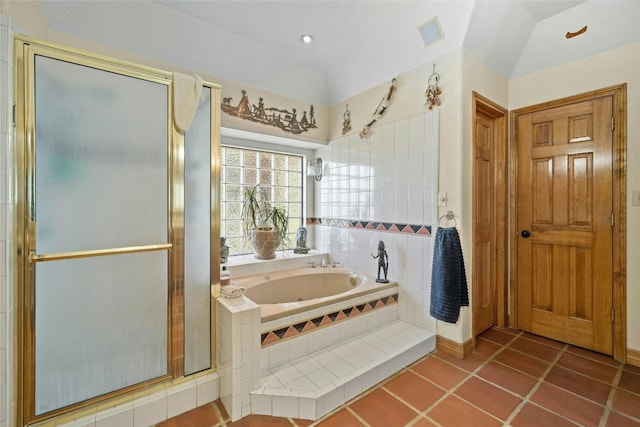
<point>546,341</point>
<point>555,402</point>
<point>627,403</point>
<point>414,390</point>
<point>535,349</point>
<point>423,422</point>
<point>342,418</point>
<point>588,367</point>
<point>454,412</point>
<point>171,422</point>
<point>598,357</point>
<point>533,416</point>
<point>222,409</point>
<point>380,409</point>
<point>630,381</point>
<point>440,372</point>
<point>486,348</point>
<point>508,378</point>
<point>568,405</point>
<point>631,368</point>
<point>469,363</point>
<point>619,420</point>
<point>202,416</point>
<point>579,384</point>
<point>499,336</point>
<point>522,362</point>
<point>488,397</point>
<point>260,421</point>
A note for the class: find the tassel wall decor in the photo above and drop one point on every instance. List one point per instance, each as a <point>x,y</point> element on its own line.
<point>433,91</point>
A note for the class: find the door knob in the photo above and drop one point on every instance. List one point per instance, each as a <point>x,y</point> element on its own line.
<point>525,233</point>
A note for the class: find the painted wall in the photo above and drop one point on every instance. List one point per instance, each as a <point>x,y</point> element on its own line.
<point>480,78</point>
<point>28,19</point>
<point>461,73</point>
<point>408,257</point>
<point>610,68</point>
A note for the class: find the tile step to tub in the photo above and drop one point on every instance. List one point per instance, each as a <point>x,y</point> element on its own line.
<point>314,385</point>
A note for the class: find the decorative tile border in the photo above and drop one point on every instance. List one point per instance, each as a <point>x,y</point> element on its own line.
<point>424,230</point>
<point>278,335</point>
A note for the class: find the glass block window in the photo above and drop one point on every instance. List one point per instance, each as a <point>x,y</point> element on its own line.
<point>280,178</point>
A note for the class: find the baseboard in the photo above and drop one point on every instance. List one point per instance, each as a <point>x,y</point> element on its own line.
<point>459,350</point>
<point>633,357</point>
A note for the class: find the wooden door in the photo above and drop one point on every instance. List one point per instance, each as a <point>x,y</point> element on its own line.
<point>564,220</point>
<point>484,259</point>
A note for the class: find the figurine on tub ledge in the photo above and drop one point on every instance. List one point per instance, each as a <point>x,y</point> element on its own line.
<point>301,241</point>
<point>383,262</point>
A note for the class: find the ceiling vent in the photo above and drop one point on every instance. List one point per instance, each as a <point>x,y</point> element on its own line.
<point>431,31</point>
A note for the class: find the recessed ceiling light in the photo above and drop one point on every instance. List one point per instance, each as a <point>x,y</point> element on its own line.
<point>306,38</point>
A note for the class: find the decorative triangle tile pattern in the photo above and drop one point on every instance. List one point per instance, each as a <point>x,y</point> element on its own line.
<point>271,338</point>
<point>326,320</point>
<point>419,229</point>
<point>299,328</point>
<point>291,332</point>
<point>341,316</point>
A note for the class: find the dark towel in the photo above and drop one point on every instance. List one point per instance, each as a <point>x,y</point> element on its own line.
<point>448,279</point>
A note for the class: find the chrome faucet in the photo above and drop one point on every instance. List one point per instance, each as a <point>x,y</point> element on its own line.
<point>334,264</point>
<point>323,263</point>
<point>312,264</point>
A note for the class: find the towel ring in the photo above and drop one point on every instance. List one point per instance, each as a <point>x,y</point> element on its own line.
<point>449,216</point>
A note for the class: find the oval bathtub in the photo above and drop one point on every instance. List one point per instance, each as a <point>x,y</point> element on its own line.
<point>287,292</point>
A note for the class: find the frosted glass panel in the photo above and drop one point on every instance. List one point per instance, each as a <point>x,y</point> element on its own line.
<point>101,325</point>
<point>197,239</point>
<point>101,159</point>
<point>101,182</point>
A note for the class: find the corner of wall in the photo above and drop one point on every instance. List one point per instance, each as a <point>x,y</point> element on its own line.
<point>6,220</point>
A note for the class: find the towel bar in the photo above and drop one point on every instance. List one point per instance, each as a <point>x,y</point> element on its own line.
<point>449,215</point>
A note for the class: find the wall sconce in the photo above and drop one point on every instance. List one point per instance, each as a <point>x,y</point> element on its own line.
<point>314,168</point>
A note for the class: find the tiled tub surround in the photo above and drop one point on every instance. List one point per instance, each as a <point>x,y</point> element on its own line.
<point>279,333</point>
<point>383,188</point>
<point>248,265</point>
<point>424,230</point>
<point>285,293</point>
<point>306,375</point>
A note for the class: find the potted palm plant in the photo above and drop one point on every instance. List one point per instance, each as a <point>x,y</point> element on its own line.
<point>263,223</point>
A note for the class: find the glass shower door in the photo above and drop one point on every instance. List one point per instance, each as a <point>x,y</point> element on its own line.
<point>99,240</point>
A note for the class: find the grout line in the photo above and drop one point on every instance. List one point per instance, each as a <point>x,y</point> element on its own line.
<point>527,398</point>
<point>218,412</point>
<point>423,415</point>
<point>450,391</point>
<point>612,392</point>
<point>358,417</point>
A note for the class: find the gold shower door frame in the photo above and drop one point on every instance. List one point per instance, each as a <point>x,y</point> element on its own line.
<point>25,257</point>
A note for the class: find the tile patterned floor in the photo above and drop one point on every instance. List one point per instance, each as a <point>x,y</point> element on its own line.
<point>513,378</point>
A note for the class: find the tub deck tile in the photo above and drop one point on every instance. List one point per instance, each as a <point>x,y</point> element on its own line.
<point>354,365</point>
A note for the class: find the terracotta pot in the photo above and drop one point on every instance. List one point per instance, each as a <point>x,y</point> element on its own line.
<point>265,243</point>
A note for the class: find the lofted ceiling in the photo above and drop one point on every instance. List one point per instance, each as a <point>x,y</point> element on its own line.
<point>357,44</point>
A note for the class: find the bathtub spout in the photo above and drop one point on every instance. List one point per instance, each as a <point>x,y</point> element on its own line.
<point>323,263</point>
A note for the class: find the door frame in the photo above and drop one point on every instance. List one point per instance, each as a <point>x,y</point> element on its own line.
<point>499,116</point>
<point>619,231</point>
